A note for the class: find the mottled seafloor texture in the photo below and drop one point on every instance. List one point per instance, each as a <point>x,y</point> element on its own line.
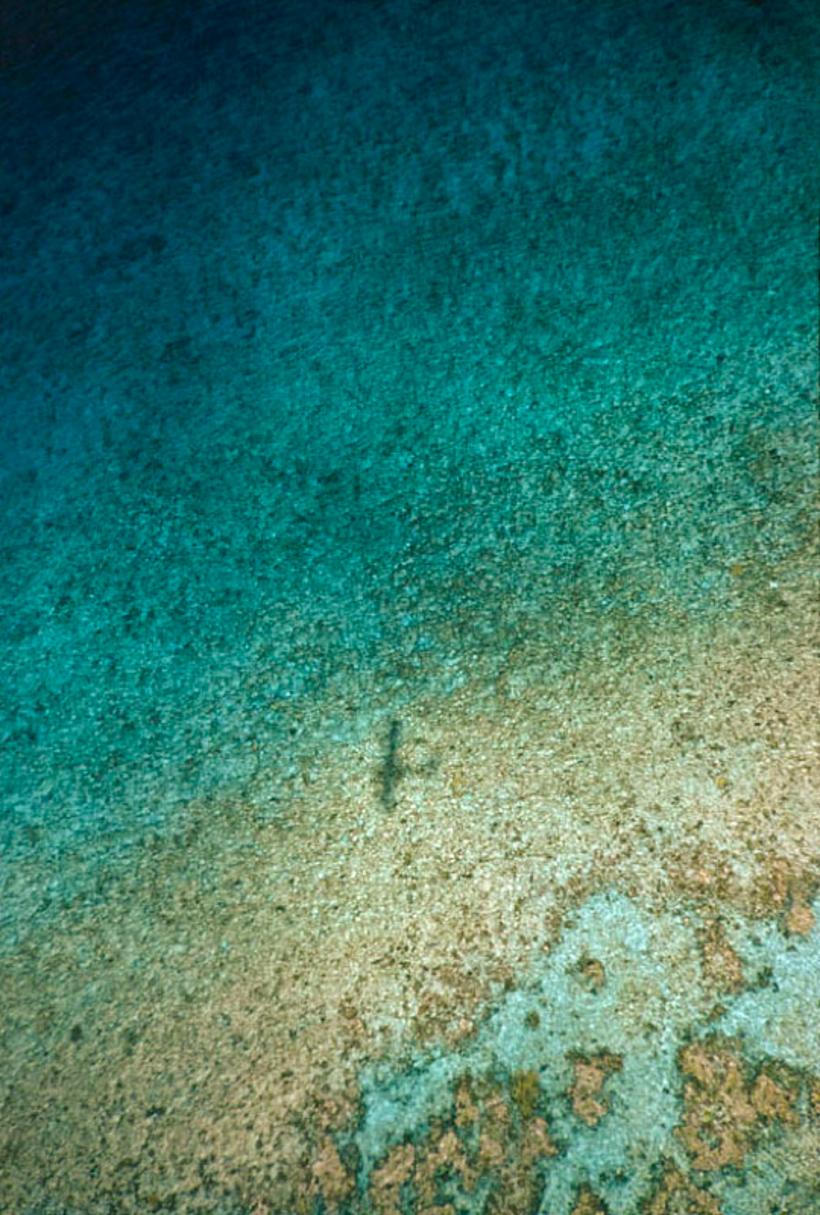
<point>408,631</point>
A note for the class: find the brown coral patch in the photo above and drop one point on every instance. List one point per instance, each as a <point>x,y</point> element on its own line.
<point>784,888</point>
<point>441,1155</point>
<point>724,1107</point>
<point>592,973</point>
<point>774,1096</point>
<point>677,1195</point>
<point>768,886</point>
<point>590,1074</point>
<point>536,1143</point>
<point>387,1180</point>
<point>800,919</point>
<point>588,1203</point>
<point>719,1112</point>
<point>491,1139</point>
<point>722,967</point>
<point>331,1179</point>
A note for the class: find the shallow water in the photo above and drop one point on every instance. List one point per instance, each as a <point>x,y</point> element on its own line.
<point>409,613</point>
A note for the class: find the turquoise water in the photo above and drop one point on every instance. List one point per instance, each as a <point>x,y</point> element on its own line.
<point>409,462</point>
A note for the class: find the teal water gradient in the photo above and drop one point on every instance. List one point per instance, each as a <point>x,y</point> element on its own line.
<point>349,351</point>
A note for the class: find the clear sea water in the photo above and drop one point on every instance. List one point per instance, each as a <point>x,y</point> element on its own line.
<point>408,679</point>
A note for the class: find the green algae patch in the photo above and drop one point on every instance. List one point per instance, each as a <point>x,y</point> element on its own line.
<point>525,1091</point>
